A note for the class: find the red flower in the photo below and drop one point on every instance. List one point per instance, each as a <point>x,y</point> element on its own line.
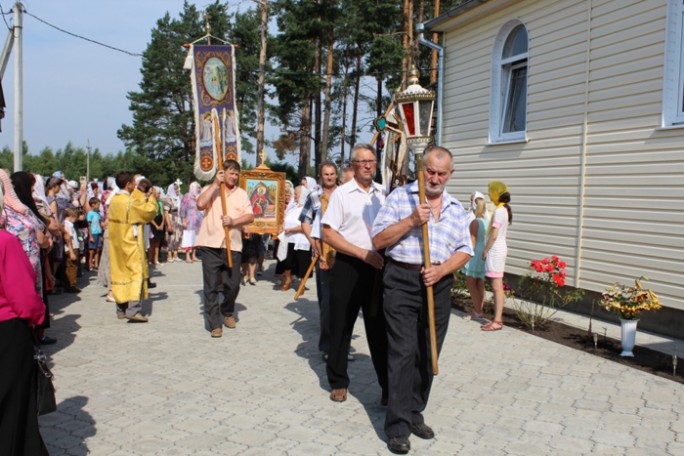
<point>536,265</point>
<point>560,281</point>
<point>561,264</point>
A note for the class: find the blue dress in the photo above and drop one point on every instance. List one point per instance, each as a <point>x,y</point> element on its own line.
<point>476,265</point>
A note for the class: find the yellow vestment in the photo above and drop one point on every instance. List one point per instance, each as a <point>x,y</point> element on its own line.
<point>126,217</point>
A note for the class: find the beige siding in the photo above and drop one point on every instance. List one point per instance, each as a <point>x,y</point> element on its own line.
<point>622,176</point>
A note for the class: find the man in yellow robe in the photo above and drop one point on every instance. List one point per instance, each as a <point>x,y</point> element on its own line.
<point>129,210</point>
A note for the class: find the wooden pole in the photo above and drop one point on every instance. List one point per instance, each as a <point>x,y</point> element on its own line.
<point>426,252</point>
<point>300,290</point>
<point>220,147</point>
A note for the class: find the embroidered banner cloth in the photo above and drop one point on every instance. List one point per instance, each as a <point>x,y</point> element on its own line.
<point>213,88</point>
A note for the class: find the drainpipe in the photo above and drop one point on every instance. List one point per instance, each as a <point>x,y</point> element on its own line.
<point>420,29</point>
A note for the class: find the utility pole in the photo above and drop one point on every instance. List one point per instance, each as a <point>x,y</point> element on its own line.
<point>260,84</point>
<point>18,89</point>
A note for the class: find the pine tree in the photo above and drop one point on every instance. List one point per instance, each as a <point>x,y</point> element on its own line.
<point>163,123</point>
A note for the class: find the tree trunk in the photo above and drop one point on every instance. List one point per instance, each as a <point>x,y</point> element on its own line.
<point>305,139</point>
<point>328,102</point>
<point>405,41</point>
<point>433,55</point>
<point>378,100</point>
<point>345,93</point>
<point>260,83</point>
<point>355,112</point>
<point>317,104</point>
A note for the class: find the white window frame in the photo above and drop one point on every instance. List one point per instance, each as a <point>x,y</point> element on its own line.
<point>501,79</point>
<point>673,74</point>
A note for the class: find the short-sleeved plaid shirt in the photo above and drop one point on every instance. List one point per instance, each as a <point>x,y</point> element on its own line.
<point>448,235</point>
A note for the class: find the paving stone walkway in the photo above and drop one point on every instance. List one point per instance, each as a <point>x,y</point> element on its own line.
<point>166,388</point>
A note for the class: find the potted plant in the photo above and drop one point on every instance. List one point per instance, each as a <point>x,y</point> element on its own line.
<point>628,303</point>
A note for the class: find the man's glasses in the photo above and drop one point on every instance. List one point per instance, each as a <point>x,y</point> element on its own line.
<point>364,162</point>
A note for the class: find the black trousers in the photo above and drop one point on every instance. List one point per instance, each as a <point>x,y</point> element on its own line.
<point>355,285</point>
<point>323,291</point>
<point>408,339</point>
<point>19,433</point>
<point>216,272</point>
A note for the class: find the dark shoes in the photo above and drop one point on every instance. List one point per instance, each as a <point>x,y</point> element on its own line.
<point>46,340</point>
<point>350,357</point>
<point>137,318</point>
<point>423,431</point>
<point>399,445</point>
<point>72,290</point>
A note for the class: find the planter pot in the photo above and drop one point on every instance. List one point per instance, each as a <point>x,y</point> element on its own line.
<point>628,336</point>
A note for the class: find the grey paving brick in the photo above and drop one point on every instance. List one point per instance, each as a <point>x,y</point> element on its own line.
<point>261,389</point>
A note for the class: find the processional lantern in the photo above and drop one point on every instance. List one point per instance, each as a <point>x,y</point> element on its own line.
<point>414,106</point>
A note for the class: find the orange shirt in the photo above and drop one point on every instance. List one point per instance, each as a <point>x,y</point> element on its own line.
<point>211,232</point>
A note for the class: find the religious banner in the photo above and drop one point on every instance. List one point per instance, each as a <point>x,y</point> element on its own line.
<point>391,145</point>
<point>213,89</point>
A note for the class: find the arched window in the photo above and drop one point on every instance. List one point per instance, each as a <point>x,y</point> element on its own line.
<point>508,114</point>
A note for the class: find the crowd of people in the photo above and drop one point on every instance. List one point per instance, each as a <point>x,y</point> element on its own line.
<point>366,246</point>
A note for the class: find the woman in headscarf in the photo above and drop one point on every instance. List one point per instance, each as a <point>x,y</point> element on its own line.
<point>289,204</point>
<point>103,272</point>
<point>495,250</point>
<point>298,248</point>
<point>20,310</point>
<point>23,222</point>
<point>174,227</point>
<point>475,269</point>
<point>192,220</point>
<point>58,204</point>
<point>158,228</point>
<point>23,185</point>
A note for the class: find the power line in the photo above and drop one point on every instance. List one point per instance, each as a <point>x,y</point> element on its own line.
<point>134,54</point>
<point>4,18</point>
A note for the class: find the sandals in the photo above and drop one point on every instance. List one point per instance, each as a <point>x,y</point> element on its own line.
<point>338,395</point>
<point>492,326</point>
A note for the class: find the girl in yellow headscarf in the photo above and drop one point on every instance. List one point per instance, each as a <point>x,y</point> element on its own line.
<point>495,250</point>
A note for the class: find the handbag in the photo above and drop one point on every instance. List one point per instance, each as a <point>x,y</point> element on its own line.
<point>45,390</point>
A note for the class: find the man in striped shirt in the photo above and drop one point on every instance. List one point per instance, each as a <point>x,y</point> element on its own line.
<point>397,228</point>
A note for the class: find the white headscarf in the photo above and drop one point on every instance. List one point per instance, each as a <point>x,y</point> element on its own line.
<point>303,193</point>
<point>195,189</point>
<point>113,189</point>
<point>160,191</point>
<point>475,196</point>
<point>39,192</point>
<point>311,183</point>
<point>291,202</point>
<point>173,194</point>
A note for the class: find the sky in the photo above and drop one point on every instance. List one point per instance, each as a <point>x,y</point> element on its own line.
<point>74,90</point>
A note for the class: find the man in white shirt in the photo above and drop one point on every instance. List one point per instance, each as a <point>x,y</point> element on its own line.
<point>357,273</point>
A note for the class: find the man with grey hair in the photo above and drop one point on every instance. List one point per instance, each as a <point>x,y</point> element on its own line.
<point>356,274</point>
<point>398,228</point>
